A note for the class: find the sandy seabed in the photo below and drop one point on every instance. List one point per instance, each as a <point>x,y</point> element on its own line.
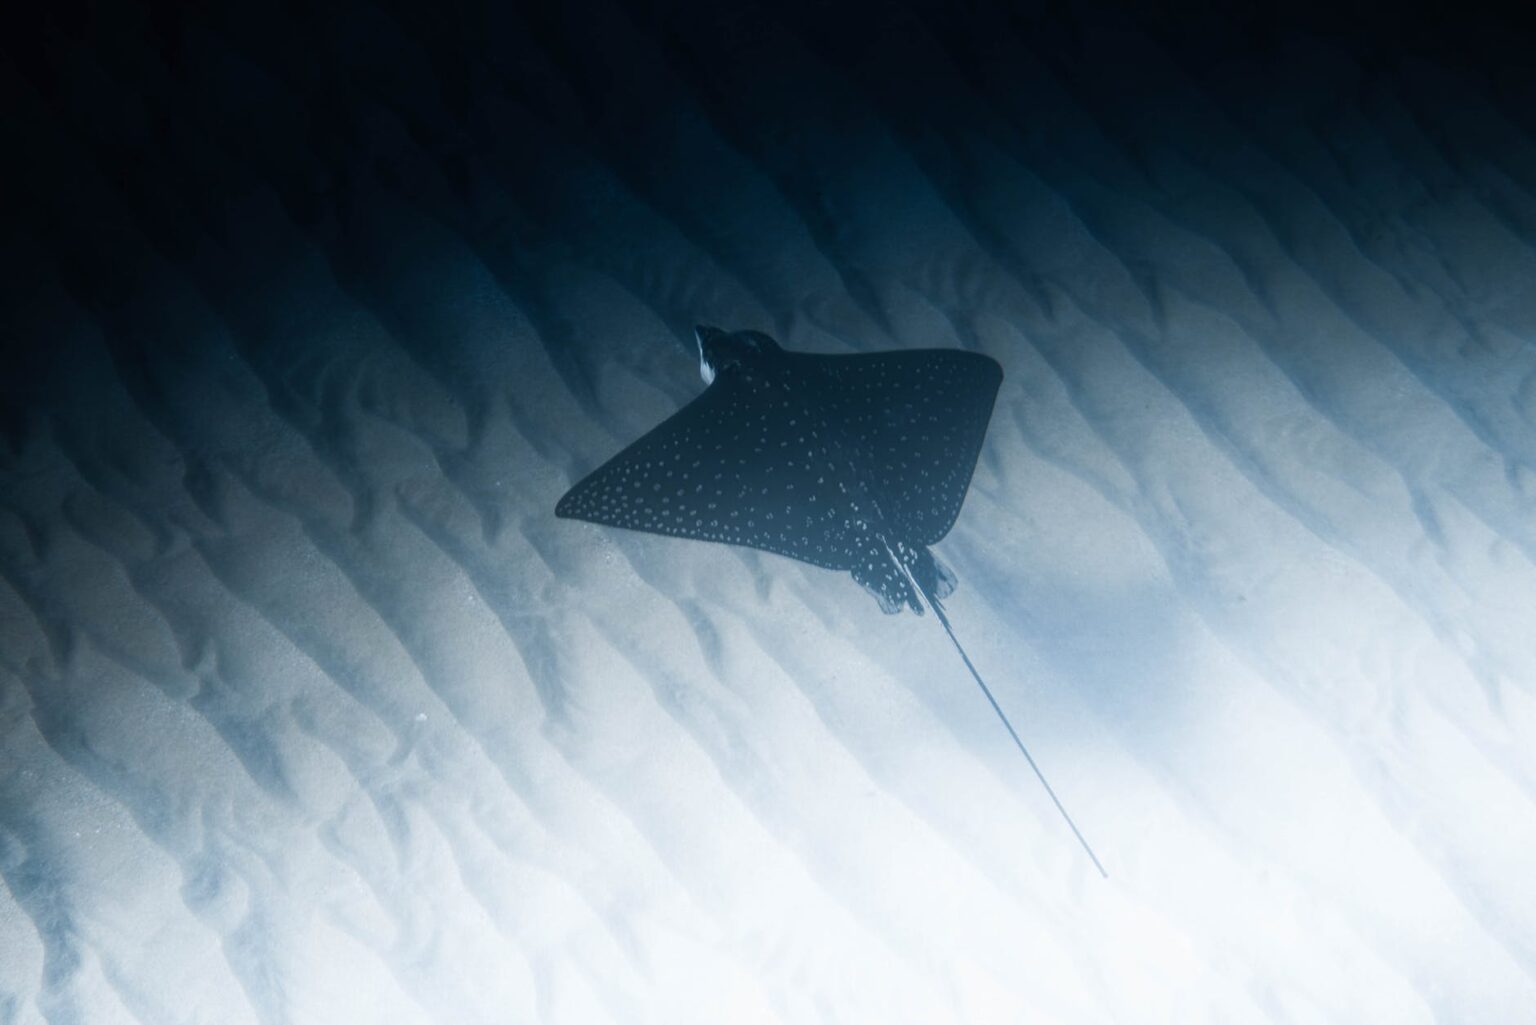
<point>312,712</point>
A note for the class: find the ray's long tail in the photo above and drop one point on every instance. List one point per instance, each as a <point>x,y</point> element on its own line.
<point>938,611</point>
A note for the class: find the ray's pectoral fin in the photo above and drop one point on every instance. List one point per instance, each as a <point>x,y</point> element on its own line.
<point>878,575</point>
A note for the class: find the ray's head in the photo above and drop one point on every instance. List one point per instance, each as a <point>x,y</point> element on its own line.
<point>720,350</point>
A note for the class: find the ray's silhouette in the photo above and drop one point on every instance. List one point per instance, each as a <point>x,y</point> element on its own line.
<point>855,463</point>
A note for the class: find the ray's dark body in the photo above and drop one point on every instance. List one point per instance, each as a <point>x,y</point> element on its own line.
<point>839,461</point>
<point>855,463</point>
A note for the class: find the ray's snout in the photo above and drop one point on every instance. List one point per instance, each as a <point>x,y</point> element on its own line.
<point>707,338</point>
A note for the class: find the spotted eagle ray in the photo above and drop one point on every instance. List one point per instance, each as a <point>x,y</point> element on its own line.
<point>854,463</point>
